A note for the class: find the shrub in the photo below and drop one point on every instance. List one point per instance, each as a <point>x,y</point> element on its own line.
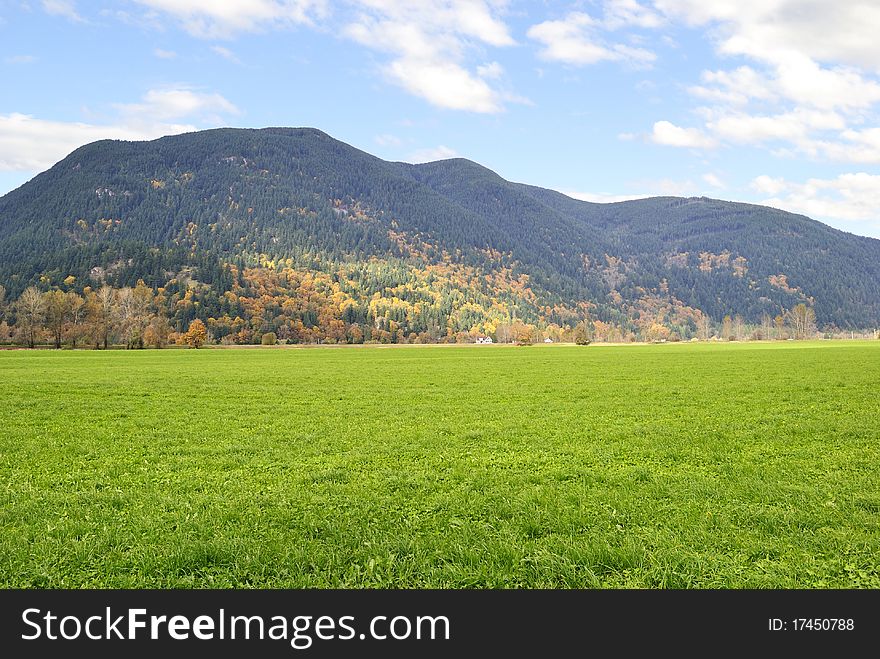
<point>269,339</point>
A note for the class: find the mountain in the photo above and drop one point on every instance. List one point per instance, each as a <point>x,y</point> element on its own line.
<point>289,230</point>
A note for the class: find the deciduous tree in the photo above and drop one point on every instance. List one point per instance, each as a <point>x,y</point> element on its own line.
<point>57,309</point>
<point>738,329</point>
<point>29,310</point>
<point>802,320</point>
<point>197,334</point>
<point>157,332</point>
<point>766,327</point>
<point>105,300</point>
<point>726,328</point>
<point>704,327</point>
<point>73,328</point>
<point>133,313</point>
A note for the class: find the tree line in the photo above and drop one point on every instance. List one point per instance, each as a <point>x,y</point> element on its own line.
<point>138,317</point>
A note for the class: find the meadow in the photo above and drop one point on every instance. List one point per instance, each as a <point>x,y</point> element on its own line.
<point>660,466</point>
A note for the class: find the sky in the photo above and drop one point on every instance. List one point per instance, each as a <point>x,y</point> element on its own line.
<point>774,102</point>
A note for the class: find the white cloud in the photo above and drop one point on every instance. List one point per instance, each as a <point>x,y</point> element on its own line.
<point>429,44</point>
<point>629,13</point>
<point>843,31</point>
<point>792,126</point>
<point>736,87</point>
<point>795,78</point>
<point>492,71</point>
<point>429,155</point>
<point>225,53</point>
<point>216,19</point>
<point>714,181</point>
<point>804,82</point>
<point>768,185</point>
<point>65,8</point>
<point>445,85</point>
<point>858,146</point>
<point>849,197</point>
<point>175,103</point>
<point>669,134</point>
<point>812,87</point>
<point>576,40</point>
<point>164,54</point>
<point>568,40</point>
<point>32,144</point>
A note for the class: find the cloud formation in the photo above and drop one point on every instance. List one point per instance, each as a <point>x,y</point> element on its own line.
<point>578,39</point>
<point>429,44</point>
<point>223,19</point>
<point>811,82</point>
<point>854,197</point>
<point>32,144</point>
<point>65,8</point>
<point>669,134</point>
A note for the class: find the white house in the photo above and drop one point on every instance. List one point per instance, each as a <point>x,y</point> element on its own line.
<point>484,339</point>
<point>548,340</point>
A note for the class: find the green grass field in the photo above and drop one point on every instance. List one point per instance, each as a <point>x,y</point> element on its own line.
<point>684,466</point>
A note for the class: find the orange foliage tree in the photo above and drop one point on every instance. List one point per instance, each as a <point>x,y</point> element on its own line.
<point>197,334</point>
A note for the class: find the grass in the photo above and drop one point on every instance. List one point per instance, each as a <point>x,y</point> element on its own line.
<point>683,466</point>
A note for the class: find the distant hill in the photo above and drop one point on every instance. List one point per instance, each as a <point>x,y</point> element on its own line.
<point>231,223</point>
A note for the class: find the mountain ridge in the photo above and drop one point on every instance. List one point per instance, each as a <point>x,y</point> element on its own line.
<point>199,213</point>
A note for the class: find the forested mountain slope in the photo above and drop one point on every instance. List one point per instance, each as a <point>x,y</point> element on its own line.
<point>289,230</point>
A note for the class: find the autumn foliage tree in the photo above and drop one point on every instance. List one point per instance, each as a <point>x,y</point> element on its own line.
<point>197,334</point>
<point>55,304</point>
<point>100,307</point>
<point>658,332</point>
<point>133,313</point>
<point>157,332</point>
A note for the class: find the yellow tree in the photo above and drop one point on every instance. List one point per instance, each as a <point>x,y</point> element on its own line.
<point>197,334</point>
<point>57,309</point>
<point>100,306</point>
<point>658,332</point>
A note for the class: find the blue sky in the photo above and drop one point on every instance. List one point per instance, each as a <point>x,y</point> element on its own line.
<point>766,101</point>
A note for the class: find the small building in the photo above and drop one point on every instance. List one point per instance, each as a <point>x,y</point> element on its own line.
<point>548,340</point>
<point>484,339</point>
